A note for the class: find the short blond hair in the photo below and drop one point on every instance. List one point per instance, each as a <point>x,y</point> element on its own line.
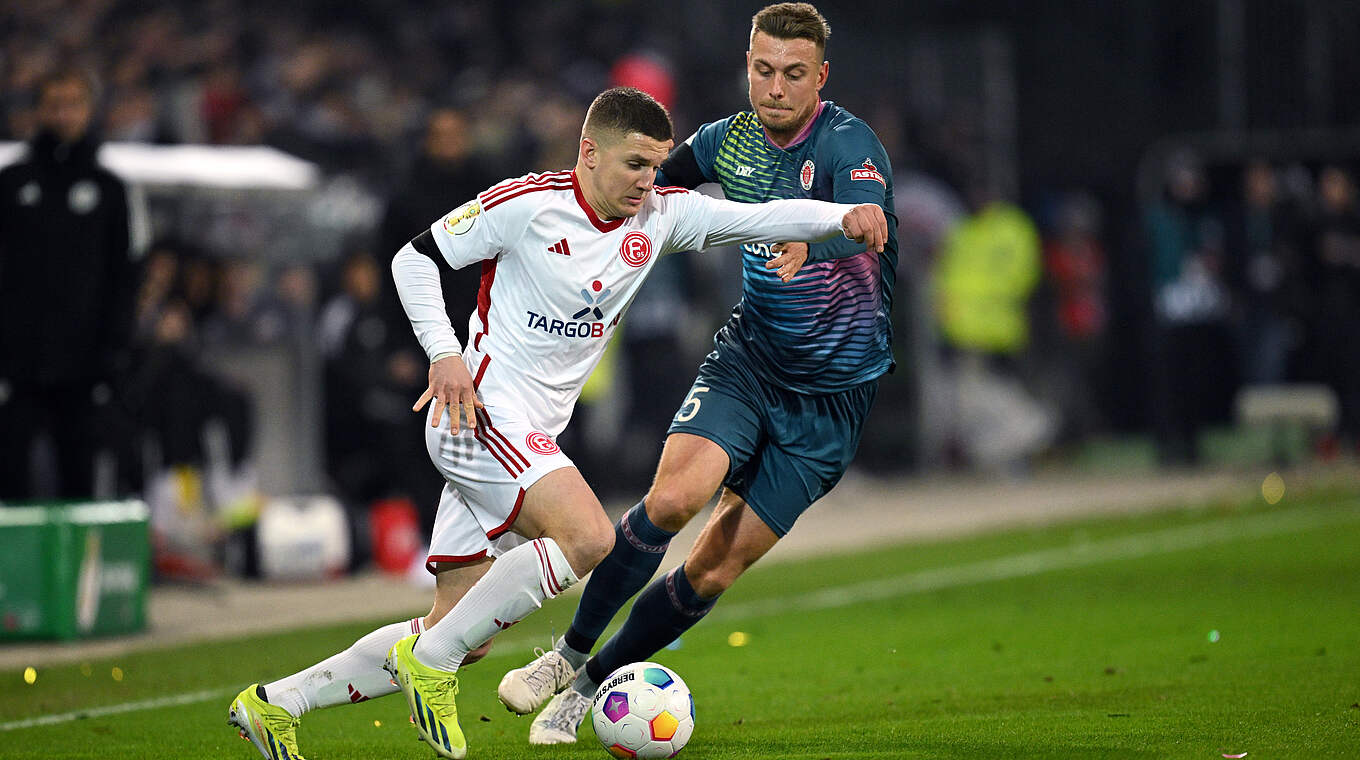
<point>792,21</point>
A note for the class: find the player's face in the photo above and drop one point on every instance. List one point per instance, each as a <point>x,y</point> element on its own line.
<point>786,78</point>
<point>620,172</point>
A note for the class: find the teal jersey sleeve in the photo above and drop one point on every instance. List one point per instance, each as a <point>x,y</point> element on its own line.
<point>690,164</point>
<point>860,173</point>
<point>705,142</point>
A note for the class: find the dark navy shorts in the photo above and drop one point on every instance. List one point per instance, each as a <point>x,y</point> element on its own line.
<point>786,449</point>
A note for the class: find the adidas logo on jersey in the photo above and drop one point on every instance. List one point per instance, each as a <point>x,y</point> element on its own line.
<point>560,247</point>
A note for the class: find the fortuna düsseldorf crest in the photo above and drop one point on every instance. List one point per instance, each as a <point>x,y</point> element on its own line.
<point>540,444</point>
<point>805,176</point>
<point>636,249</point>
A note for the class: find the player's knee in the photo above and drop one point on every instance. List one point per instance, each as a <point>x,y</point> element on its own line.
<point>601,543</point>
<point>589,545</point>
<point>709,581</point>
<point>671,505</point>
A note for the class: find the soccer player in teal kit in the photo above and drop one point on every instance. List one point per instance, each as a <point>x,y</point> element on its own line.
<point>776,412</point>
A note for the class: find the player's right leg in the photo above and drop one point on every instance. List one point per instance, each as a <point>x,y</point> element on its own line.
<point>733,539</point>
<point>691,469</point>
<point>574,535</point>
<point>716,430</point>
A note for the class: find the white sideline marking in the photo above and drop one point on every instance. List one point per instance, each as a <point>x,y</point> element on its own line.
<point>1136,546</point>
<point>99,712</point>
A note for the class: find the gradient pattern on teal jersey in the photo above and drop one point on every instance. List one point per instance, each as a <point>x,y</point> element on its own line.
<point>828,329</point>
<point>749,168</point>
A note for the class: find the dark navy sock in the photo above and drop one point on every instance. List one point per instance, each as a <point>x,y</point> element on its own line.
<point>638,548</point>
<point>668,608</point>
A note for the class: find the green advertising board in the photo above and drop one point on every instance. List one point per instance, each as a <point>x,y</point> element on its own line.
<point>73,571</point>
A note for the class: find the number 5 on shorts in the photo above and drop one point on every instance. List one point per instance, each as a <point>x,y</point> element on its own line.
<point>691,405</point>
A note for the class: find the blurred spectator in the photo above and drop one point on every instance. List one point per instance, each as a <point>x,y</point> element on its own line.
<point>445,175</point>
<point>175,398</point>
<point>1336,288</point>
<point>160,277</point>
<point>373,373</point>
<point>197,434</point>
<point>67,281</point>
<point>987,270</point>
<point>1262,270</point>
<point>1192,348</point>
<point>1076,269</point>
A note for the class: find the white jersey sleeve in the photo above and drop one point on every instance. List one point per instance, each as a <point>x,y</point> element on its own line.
<point>463,236</point>
<point>417,280</point>
<point>468,234</point>
<point>703,222</point>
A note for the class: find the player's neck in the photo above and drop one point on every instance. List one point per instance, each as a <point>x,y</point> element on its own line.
<point>587,191</point>
<point>586,187</point>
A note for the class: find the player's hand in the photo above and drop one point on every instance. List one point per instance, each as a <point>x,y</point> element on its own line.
<point>451,388</point>
<point>866,224</point>
<point>791,258</point>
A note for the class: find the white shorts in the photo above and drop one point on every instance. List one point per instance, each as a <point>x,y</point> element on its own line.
<point>486,474</point>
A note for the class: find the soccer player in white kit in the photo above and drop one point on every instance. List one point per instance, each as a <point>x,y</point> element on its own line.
<point>562,256</point>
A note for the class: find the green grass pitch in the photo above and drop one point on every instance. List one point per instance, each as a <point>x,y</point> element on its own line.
<point>1196,633</point>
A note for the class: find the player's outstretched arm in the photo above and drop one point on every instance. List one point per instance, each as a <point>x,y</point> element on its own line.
<point>711,222</point>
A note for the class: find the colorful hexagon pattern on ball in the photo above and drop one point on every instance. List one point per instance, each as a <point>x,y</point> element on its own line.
<point>663,727</point>
<point>643,710</point>
<point>616,706</point>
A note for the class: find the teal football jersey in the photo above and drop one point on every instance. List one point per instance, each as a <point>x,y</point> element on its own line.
<point>828,329</point>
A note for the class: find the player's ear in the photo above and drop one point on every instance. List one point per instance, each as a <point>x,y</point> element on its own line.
<point>590,152</point>
<point>823,74</point>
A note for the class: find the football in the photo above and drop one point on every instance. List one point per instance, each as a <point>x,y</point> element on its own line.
<point>643,710</point>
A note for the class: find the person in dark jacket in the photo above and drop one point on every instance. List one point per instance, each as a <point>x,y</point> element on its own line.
<point>444,175</point>
<point>67,282</point>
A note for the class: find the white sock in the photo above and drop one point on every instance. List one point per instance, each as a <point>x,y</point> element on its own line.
<point>515,586</point>
<point>353,675</point>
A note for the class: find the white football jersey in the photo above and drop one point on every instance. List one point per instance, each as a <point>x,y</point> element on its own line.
<point>556,279</point>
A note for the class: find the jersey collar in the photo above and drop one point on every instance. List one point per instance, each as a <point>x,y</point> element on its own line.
<point>590,212</point>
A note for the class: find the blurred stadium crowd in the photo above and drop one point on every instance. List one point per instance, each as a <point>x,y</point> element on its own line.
<point>1005,310</point>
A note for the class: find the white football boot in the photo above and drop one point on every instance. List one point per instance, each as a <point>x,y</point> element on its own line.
<point>558,722</point>
<point>525,689</point>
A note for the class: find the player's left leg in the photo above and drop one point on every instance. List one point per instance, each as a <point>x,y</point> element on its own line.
<point>732,540</point>
<point>268,715</point>
<point>460,554</point>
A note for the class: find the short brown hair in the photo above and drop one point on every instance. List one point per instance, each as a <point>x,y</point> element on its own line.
<point>792,21</point>
<point>624,110</point>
